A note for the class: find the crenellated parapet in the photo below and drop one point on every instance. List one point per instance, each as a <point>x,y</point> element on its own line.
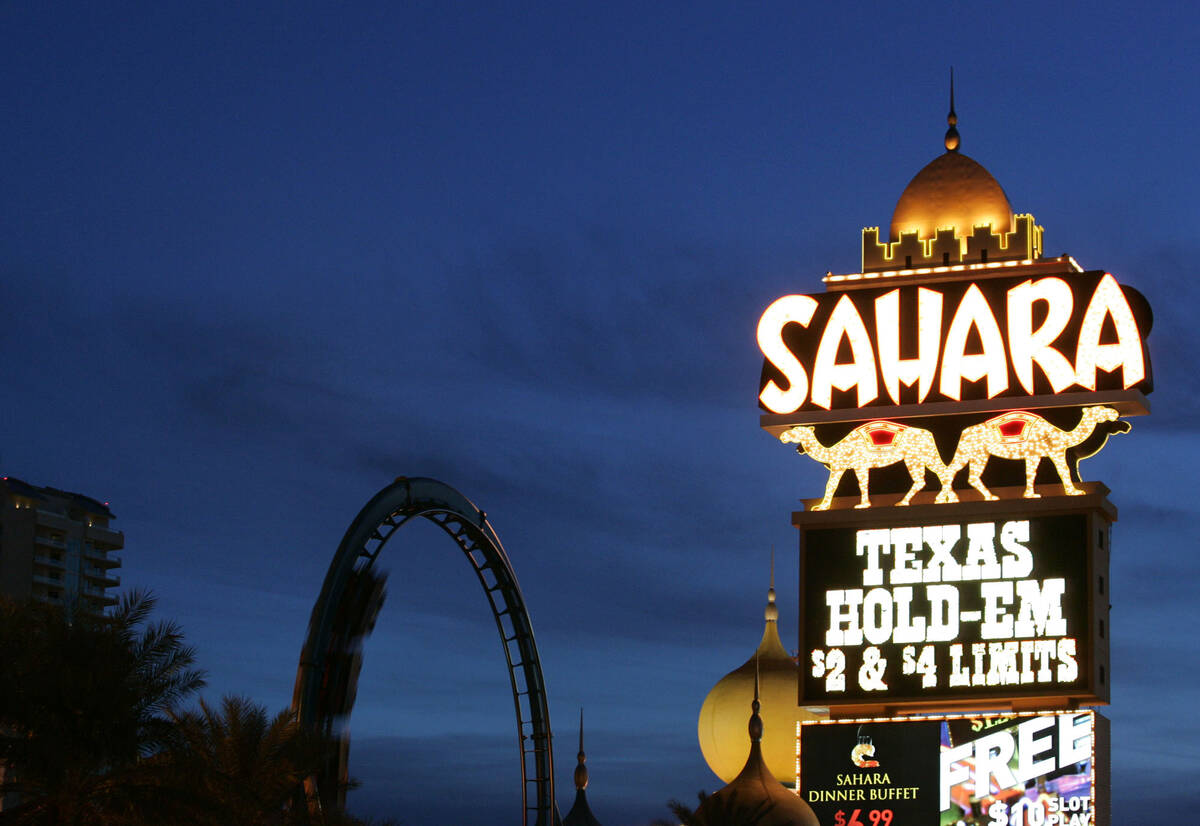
<point>1023,242</point>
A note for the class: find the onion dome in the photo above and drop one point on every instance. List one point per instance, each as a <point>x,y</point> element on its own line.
<point>951,191</point>
<point>580,814</point>
<point>755,796</point>
<point>723,715</point>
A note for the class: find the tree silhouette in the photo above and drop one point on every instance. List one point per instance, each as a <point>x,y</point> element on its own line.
<point>83,704</point>
<point>726,810</point>
<point>243,768</point>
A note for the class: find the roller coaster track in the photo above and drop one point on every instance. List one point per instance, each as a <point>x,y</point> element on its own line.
<point>345,613</point>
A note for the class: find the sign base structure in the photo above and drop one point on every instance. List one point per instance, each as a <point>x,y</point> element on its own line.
<point>997,605</point>
<point>1027,769</point>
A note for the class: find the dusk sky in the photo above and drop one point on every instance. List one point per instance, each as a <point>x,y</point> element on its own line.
<point>257,260</point>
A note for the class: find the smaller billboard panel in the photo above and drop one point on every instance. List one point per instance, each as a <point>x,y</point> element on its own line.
<point>1036,769</point>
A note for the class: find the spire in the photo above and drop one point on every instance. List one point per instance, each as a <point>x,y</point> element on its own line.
<point>771,614</point>
<point>581,772</point>
<point>952,139</point>
<point>581,813</point>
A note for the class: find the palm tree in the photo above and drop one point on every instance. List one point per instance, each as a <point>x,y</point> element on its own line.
<point>238,767</point>
<point>727,811</point>
<point>683,815</point>
<point>83,704</point>
<point>243,768</point>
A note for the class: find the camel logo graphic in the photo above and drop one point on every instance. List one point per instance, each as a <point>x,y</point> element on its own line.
<point>1018,435</point>
<point>861,755</point>
<point>1023,435</point>
<point>874,444</point>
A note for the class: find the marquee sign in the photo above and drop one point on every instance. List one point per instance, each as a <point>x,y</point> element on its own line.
<point>1044,769</point>
<point>1007,338</point>
<point>997,604</point>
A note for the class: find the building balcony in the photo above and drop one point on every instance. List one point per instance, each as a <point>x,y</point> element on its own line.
<point>97,604</point>
<point>101,578</point>
<point>52,580</point>
<point>100,558</point>
<point>50,541</point>
<point>54,520</point>
<point>101,535</point>
<point>94,594</point>
<point>105,536</point>
<point>48,561</point>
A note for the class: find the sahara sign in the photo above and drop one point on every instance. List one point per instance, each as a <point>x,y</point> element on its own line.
<point>930,612</point>
<point>952,341</point>
<point>984,770</point>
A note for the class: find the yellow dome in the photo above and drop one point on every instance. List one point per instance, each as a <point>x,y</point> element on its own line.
<point>722,725</point>
<point>755,796</point>
<point>951,191</point>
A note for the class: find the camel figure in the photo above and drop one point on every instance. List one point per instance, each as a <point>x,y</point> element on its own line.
<point>874,444</point>
<point>1022,435</point>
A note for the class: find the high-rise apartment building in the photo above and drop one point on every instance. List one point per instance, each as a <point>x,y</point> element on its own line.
<point>57,547</point>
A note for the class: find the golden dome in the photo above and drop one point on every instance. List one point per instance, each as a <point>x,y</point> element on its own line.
<point>722,725</point>
<point>951,191</point>
<point>755,795</point>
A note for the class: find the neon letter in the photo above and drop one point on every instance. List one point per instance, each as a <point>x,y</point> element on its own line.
<point>791,309</point>
<point>898,371</point>
<point>955,770</point>
<point>941,539</point>
<point>997,623</point>
<point>845,617</point>
<point>870,544</point>
<point>1020,564</point>
<point>1040,614</point>
<point>1074,738</point>
<point>993,753</point>
<point>1108,300</point>
<point>981,562</point>
<point>827,374</point>
<point>943,613</point>
<point>1029,746</point>
<point>974,311</point>
<point>1028,345</point>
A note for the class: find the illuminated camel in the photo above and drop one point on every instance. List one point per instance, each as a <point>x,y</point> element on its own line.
<point>874,444</point>
<point>1023,435</point>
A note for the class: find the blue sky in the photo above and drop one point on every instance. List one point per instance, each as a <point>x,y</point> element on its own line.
<point>256,261</point>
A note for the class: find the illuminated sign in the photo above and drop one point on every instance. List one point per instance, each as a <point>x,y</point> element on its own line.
<point>1038,769</point>
<point>947,342</point>
<point>1003,604</point>
<point>1022,435</point>
<point>1018,434</point>
<point>873,445</point>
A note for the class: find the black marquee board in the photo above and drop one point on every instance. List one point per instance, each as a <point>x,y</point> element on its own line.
<point>1010,612</point>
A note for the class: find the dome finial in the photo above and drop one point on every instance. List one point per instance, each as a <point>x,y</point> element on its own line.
<point>771,614</point>
<point>952,139</point>
<point>581,772</point>
<point>756,724</point>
